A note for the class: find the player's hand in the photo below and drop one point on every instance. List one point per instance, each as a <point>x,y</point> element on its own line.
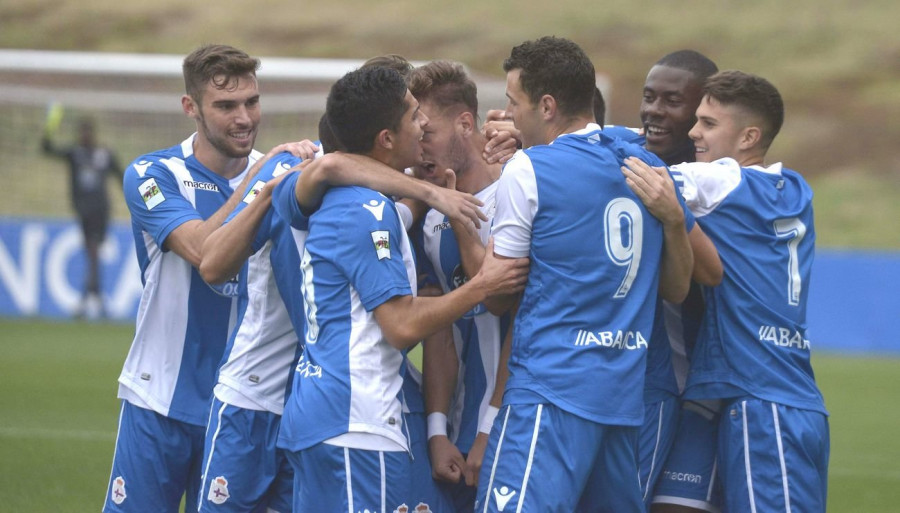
<point>447,463</point>
<point>474,458</point>
<point>501,276</point>
<point>503,137</point>
<point>304,149</point>
<point>655,188</point>
<point>459,206</point>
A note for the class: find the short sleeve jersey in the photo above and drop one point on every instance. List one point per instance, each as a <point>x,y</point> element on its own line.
<point>581,333</point>
<point>753,338</point>
<point>356,257</point>
<point>263,345</point>
<point>477,335</point>
<point>182,322</point>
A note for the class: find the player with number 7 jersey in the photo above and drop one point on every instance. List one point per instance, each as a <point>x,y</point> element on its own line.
<point>753,339</point>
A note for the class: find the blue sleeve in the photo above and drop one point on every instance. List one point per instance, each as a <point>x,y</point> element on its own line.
<point>275,166</point>
<point>284,202</point>
<point>154,199</point>
<point>368,248</point>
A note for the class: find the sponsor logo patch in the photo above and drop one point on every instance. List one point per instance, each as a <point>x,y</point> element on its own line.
<point>118,495</point>
<point>151,193</point>
<point>382,241</point>
<point>254,191</point>
<point>203,186</point>
<point>218,490</point>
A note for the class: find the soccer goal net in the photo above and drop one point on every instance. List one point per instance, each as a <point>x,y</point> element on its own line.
<point>134,101</point>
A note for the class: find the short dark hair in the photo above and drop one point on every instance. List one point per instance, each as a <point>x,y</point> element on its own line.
<point>444,83</point>
<point>364,102</point>
<point>219,64</point>
<point>327,139</point>
<point>558,67</point>
<point>599,107</point>
<point>753,93</point>
<point>701,66</point>
<point>392,61</point>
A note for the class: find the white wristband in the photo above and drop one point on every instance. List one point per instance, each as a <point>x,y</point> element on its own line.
<point>488,420</point>
<point>437,424</point>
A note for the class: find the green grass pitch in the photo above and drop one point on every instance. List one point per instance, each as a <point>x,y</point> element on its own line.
<point>58,415</point>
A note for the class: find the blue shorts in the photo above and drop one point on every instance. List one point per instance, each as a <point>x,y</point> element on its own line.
<point>157,461</point>
<point>333,478</point>
<point>424,490</point>
<point>689,474</point>
<point>243,470</point>
<point>773,457</point>
<point>541,459</point>
<point>655,441</point>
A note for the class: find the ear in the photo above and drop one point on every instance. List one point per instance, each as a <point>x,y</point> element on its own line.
<point>750,137</point>
<point>385,139</point>
<point>465,124</point>
<point>547,107</point>
<point>190,107</point>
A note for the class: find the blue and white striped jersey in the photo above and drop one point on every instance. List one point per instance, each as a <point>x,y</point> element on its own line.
<point>477,335</point>
<point>753,338</point>
<point>264,345</point>
<point>581,333</point>
<point>182,322</point>
<point>347,386</point>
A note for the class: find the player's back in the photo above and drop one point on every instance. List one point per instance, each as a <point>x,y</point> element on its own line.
<point>754,333</point>
<point>586,314</point>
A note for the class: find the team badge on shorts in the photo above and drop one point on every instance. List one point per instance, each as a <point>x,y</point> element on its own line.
<point>151,193</point>
<point>382,241</point>
<point>118,490</point>
<point>218,490</point>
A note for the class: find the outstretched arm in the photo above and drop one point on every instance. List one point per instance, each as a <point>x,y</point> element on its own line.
<point>336,169</point>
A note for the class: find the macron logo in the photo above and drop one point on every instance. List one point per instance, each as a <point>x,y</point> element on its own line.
<point>503,496</point>
<point>281,168</point>
<point>141,167</point>
<point>375,208</point>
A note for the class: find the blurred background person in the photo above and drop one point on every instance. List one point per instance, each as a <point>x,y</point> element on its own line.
<point>89,167</point>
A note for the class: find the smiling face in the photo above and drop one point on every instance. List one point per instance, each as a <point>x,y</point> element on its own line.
<point>719,131</point>
<point>407,147</point>
<point>228,117</point>
<point>670,99</point>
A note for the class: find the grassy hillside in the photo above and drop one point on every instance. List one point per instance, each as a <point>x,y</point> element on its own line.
<point>836,62</point>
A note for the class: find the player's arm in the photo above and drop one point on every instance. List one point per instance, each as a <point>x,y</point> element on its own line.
<point>404,320</point>
<point>336,169</point>
<point>656,190</point>
<point>707,264</point>
<point>440,367</point>
<point>476,452</point>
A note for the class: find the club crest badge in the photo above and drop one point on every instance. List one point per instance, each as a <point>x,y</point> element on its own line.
<point>118,495</point>
<point>218,490</point>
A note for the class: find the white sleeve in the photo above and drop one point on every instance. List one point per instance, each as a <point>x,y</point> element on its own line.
<point>517,204</point>
<point>406,217</point>
<point>707,184</point>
